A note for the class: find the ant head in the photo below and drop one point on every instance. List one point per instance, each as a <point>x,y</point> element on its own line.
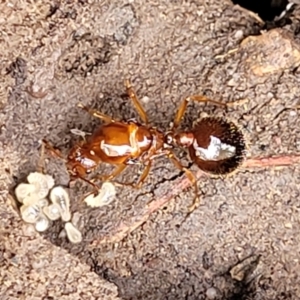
<point>219,146</point>
<point>77,163</point>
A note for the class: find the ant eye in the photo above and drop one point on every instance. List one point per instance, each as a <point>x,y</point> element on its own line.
<point>74,170</point>
<point>88,171</point>
<point>219,147</point>
<point>169,139</point>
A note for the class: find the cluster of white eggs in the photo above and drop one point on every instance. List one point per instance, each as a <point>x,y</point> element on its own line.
<point>42,202</point>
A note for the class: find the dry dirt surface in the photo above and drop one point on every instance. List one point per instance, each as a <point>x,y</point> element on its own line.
<point>242,242</point>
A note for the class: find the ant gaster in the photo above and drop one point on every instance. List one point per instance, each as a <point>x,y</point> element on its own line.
<point>215,145</point>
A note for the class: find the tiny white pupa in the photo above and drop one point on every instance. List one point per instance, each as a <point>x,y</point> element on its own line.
<point>52,212</point>
<point>60,197</point>
<point>32,199</point>
<point>73,234</point>
<point>30,213</point>
<point>50,181</point>
<point>43,183</point>
<point>23,191</point>
<point>105,196</point>
<point>43,202</point>
<point>42,223</point>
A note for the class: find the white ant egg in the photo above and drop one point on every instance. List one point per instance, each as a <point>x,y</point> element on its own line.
<point>23,191</point>
<point>60,197</point>
<point>42,223</point>
<point>30,213</point>
<point>52,212</point>
<point>74,235</point>
<point>43,183</point>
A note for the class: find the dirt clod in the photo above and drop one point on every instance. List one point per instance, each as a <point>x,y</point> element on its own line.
<point>264,52</point>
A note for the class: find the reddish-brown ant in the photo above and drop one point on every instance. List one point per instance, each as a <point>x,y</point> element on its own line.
<point>215,145</point>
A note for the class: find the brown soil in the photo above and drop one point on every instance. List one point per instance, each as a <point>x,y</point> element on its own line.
<point>55,55</point>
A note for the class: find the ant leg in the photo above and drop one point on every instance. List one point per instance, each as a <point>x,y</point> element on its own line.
<point>143,176</point>
<point>111,176</point>
<point>55,152</point>
<point>41,162</point>
<point>96,188</point>
<point>132,94</point>
<point>196,98</point>
<point>141,179</point>
<point>96,113</point>
<point>191,177</point>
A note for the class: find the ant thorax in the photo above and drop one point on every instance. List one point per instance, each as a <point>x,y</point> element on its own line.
<point>215,151</point>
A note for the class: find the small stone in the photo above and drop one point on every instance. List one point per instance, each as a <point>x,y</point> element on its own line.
<point>288,225</point>
<point>29,230</point>
<point>145,99</point>
<point>39,264</point>
<point>231,82</point>
<point>212,293</point>
<point>245,268</point>
<point>239,34</point>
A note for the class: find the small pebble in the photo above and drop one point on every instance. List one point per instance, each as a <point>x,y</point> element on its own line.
<point>29,230</point>
<point>145,99</point>
<point>239,34</point>
<point>288,225</point>
<point>39,263</point>
<point>212,293</point>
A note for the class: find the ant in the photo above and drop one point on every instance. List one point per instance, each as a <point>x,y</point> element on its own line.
<point>215,145</point>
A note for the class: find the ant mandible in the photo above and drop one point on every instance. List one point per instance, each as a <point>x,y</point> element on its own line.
<point>215,145</point>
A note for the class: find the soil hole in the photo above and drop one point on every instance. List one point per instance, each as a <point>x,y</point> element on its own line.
<point>266,9</point>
